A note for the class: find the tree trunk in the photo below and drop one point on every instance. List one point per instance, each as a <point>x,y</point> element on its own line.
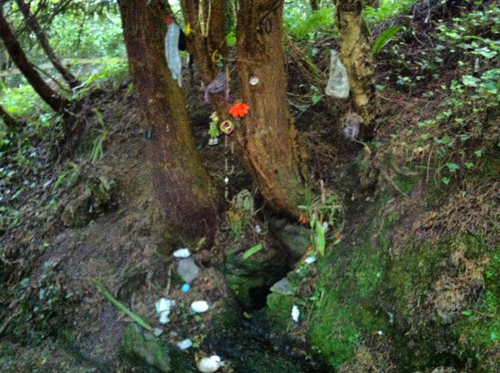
<point>16,53</point>
<point>314,5</point>
<point>42,39</point>
<point>10,122</point>
<point>267,134</point>
<point>203,45</point>
<point>356,55</point>
<point>183,191</point>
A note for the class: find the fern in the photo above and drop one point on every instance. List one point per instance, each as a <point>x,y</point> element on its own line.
<point>385,37</point>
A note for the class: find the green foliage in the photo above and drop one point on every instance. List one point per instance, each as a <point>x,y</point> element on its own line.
<point>24,102</point>
<point>97,144</point>
<point>385,38</point>
<point>302,24</point>
<point>325,214</point>
<point>69,175</point>
<point>388,9</point>
<point>38,302</point>
<point>253,250</point>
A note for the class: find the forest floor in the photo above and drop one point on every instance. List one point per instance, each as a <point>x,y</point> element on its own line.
<point>55,319</point>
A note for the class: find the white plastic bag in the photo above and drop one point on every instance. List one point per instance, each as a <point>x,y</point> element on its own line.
<point>338,82</point>
<point>172,52</point>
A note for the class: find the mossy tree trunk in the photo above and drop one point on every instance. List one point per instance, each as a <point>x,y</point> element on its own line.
<point>267,135</point>
<point>356,55</point>
<point>16,53</point>
<point>184,194</point>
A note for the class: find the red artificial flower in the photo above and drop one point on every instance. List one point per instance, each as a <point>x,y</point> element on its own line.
<point>239,109</point>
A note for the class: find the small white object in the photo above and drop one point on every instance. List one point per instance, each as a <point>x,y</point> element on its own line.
<point>185,344</point>
<point>164,317</point>
<point>295,313</point>
<point>182,253</point>
<point>380,332</point>
<point>209,364</point>
<point>254,80</point>
<point>258,229</point>
<point>310,260</point>
<point>213,141</point>
<point>164,304</point>
<point>325,226</point>
<point>226,180</point>
<point>163,308</point>
<point>199,306</point>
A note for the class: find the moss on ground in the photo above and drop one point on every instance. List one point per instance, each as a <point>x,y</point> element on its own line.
<point>434,297</point>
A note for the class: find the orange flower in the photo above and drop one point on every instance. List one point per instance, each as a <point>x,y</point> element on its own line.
<point>302,219</point>
<point>239,109</point>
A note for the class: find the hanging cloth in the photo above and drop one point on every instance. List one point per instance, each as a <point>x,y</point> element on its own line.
<point>172,51</point>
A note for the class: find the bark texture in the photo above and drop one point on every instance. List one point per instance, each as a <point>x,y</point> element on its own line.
<point>267,134</point>
<point>356,55</point>
<point>44,43</point>
<point>184,195</point>
<point>16,53</point>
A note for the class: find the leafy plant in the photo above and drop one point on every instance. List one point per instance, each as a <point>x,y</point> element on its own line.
<point>70,173</point>
<point>385,38</point>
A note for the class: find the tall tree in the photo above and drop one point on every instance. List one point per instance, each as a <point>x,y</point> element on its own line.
<point>268,137</point>
<point>184,194</point>
<point>44,43</point>
<point>16,53</point>
<point>356,55</point>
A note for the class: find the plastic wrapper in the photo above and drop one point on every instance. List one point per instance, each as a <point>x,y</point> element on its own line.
<point>172,52</point>
<point>338,82</point>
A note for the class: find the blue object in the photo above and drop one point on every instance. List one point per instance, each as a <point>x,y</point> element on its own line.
<point>185,288</point>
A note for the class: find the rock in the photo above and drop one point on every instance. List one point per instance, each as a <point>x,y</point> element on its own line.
<point>188,270</point>
<point>295,238</point>
<point>283,286</point>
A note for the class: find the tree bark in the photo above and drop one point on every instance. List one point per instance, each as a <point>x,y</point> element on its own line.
<point>9,120</point>
<point>185,198</point>
<point>16,53</point>
<point>202,45</point>
<point>267,134</point>
<point>314,5</point>
<point>42,39</point>
<point>356,55</point>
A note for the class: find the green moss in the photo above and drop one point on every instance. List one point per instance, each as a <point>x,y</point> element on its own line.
<point>242,287</point>
<point>349,309</point>
<point>406,183</point>
<point>279,308</point>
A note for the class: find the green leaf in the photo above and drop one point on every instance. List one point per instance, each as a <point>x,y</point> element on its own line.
<point>252,250</point>
<point>470,81</point>
<point>385,37</point>
<point>478,153</point>
<point>316,98</point>
<point>120,305</point>
<point>320,240</point>
<point>452,167</point>
<point>445,180</point>
<point>467,313</point>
